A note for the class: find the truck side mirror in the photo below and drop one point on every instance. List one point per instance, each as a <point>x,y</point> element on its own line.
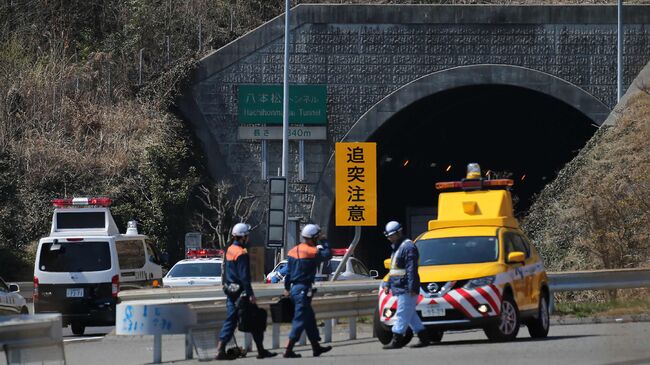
<point>164,257</point>
<point>14,288</point>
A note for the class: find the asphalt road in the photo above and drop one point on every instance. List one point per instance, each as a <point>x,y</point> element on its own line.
<point>607,344</point>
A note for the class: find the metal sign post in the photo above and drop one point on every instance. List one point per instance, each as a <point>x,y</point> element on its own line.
<point>285,119</point>
<point>356,190</point>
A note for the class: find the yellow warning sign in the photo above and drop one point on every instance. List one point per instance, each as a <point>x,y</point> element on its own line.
<point>356,184</point>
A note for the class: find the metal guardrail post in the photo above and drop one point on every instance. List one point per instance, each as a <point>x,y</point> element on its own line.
<point>275,339</point>
<point>551,303</point>
<point>189,351</point>
<point>157,348</point>
<point>328,330</point>
<point>353,328</point>
<point>248,341</point>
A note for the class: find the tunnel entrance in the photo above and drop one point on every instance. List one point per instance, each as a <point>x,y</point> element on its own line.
<point>512,132</point>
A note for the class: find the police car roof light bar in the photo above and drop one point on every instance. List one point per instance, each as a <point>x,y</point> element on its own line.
<point>100,202</point>
<point>203,253</point>
<point>339,251</point>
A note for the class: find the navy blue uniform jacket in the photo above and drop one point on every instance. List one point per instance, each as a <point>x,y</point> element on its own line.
<point>303,263</point>
<point>238,267</point>
<point>406,258</point>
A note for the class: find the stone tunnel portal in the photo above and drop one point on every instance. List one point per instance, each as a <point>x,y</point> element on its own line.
<point>510,131</point>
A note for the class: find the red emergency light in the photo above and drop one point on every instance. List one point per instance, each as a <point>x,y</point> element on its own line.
<point>98,202</point>
<point>203,253</point>
<point>477,184</point>
<point>339,251</point>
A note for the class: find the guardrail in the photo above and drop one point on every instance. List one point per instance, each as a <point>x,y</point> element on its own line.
<point>197,311</point>
<point>32,338</point>
<point>599,280</point>
<point>210,316</point>
<point>199,319</point>
<point>261,290</point>
<point>559,281</point>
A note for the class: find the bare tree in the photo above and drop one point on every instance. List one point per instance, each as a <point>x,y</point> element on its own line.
<point>224,206</point>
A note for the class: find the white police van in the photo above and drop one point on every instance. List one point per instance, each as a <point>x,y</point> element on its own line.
<point>85,261</point>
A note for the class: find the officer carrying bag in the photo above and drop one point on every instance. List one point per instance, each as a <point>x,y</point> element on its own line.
<point>282,311</point>
<point>251,317</point>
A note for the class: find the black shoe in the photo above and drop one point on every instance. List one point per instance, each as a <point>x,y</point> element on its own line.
<point>396,343</point>
<point>221,355</point>
<point>318,350</point>
<point>423,336</point>
<point>265,353</point>
<point>291,355</point>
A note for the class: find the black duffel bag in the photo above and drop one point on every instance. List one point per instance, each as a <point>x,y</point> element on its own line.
<point>251,317</point>
<point>282,311</point>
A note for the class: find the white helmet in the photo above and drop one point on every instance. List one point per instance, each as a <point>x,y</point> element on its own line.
<point>241,230</point>
<point>310,231</point>
<point>392,227</point>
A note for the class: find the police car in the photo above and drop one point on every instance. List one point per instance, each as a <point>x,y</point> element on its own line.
<point>477,268</point>
<point>355,269</point>
<point>202,267</point>
<point>10,301</point>
<point>85,261</point>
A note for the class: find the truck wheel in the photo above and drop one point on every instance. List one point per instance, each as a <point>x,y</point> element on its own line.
<point>383,334</point>
<point>78,328</point>
<point>24,310</point>
<point>538,327</point>
<point>507,327</point>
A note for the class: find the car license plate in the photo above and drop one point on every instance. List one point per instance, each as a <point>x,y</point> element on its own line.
<point>433,311</point>
<point>74,292</point>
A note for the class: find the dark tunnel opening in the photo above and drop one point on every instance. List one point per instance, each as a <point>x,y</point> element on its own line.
<point>510,131</point>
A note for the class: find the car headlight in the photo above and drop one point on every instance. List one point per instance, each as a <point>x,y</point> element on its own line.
<point>475,283</point>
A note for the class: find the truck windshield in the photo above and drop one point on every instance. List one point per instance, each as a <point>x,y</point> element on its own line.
<point>457,250</point>
<point>203,269</point>
<point>75,256</point>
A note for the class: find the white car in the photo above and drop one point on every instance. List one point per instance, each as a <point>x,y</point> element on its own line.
<point>10,301</point>
<point>194,272</point>
<point>355,269</point>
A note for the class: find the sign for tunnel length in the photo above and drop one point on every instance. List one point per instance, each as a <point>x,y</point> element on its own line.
<point>356,184</point>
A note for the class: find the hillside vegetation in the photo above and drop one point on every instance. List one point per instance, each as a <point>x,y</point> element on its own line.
<point>79,116</point>
<point>86,94</point>
<point>596,214</point>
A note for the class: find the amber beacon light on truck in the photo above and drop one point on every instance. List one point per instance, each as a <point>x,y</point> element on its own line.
<point>474,181</point>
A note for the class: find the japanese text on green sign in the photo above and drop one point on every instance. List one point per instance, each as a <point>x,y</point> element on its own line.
<point>262,104</point>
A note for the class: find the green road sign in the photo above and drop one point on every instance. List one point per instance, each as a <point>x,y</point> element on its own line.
<point>262,104</point>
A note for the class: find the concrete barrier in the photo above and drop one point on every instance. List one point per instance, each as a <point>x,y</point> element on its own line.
<point>32,339</point>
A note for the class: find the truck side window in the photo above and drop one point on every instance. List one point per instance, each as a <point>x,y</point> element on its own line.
<point>130,254</point>
<point>508,243</point>
<point>359,268</point>
<point>514,243</point>
<point>153,252</point>
<point>521,242</point>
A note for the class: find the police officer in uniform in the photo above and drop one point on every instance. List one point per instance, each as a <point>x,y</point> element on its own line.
<point>404,283</point>
<point>303,261</point>
<point>237,285</point>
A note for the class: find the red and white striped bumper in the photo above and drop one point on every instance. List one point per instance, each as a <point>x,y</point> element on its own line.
<point>459,305</point>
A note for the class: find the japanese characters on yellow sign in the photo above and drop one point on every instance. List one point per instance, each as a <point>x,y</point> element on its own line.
<point>356,184</point>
